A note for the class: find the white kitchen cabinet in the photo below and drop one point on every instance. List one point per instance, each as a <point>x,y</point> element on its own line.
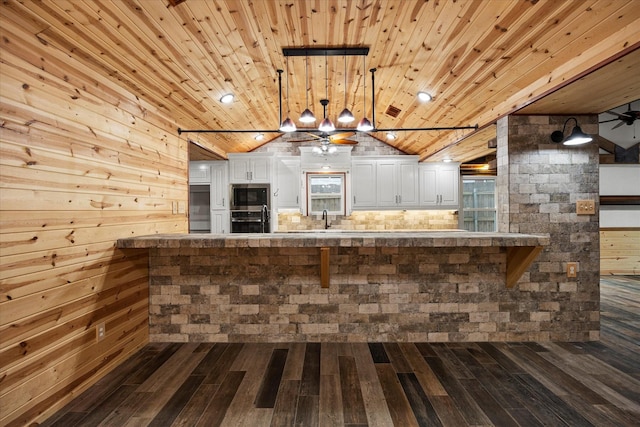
<point>219,185</point>
<point>248,168</point>
<point>199,172</point>
<point>397,183</point>
<point>288,182</point>
<point>439,185</point>
<point>363,184</point>
<point>220,221</point>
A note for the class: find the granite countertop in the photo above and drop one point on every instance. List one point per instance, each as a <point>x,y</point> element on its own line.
<point>335,238</point>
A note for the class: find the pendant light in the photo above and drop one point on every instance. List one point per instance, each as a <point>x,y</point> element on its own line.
<point>345,116</point>
<point>288,125</point>
<point>326,125</point>
<point>307,116</point>
<point>364,125</point>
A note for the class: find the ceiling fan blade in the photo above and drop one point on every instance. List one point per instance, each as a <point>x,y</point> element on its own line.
<point>300,140</point>
<point>343,135</point>
<point>343,142</point>
<point>619,115</point>
<point>617,126</point>
<point>607,121</point>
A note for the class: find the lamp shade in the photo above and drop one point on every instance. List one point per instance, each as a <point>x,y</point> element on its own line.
<point>346,116</point>
<point>577,137</point>
<point>288,125</point>
<point>364,125</point>
<point>326,126</point>
<point>307,116</point>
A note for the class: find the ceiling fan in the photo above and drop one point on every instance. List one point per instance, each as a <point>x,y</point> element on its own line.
<point>327,141</point>
<point>628,117</point>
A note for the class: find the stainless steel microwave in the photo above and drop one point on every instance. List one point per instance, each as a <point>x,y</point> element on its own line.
<point>250,196</point>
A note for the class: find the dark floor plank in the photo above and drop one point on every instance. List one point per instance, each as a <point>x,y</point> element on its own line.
<point>310,384</point>
<point>268,392</point>
<point>378,353</point>
<point>215,412</point>
<point>352,402</point>
<point>141,375</point>
<point>542,403</point>
<point>178,401</point>
<point>284,411</point>
<point>469,409</point>
<point>220,369</point>
<point>447,411</point>
<point>399,406</point>
<point>491,408</point>
<point>422,409</point>
<point>209,361</point>
<point>396,357</point>
<point>192,412</point>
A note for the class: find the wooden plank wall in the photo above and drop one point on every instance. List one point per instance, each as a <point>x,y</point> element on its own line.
<point>82,162</point>
<point>620,251</point>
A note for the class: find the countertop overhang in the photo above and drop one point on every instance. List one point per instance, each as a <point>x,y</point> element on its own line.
<point>337,238</point>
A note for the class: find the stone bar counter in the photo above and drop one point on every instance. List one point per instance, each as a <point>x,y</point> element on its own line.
<point>344,286</point>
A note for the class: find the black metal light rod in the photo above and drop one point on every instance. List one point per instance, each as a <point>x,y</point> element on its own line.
<point>319,51</point>
<point>313,130</point>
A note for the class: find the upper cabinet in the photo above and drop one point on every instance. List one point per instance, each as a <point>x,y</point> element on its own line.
<point>389,182</point>
<point>363,184</point>
<point>199,172</point>
<point>251,167</point>
<point>397,183</point>
<point>439,185</point>
<point>288,181</point>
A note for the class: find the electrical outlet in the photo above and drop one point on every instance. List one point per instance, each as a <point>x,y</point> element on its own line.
<point>101,331</point>
<point>572,269</point>
<point>585,207</point>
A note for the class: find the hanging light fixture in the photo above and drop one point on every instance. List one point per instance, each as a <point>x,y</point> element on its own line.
<point>326,125</point>
<point>288,125</point>
<point>364,125</point>
<point>307,116</point>
<point>345,116</point>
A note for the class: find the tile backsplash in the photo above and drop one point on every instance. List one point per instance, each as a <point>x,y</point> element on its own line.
<point>372,220</point>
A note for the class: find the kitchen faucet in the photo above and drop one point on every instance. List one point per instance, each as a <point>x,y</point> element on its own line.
<point>325,216</point>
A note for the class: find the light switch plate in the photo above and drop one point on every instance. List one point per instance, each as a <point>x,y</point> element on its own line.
<point>572,269</point>
<point>174,207</point>
<point>182,207</point>
<point>585,207</point>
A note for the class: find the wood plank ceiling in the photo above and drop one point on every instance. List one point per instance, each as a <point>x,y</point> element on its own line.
<point>480,59</point>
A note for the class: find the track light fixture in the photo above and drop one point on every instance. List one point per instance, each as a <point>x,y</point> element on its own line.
<point>577,137</point>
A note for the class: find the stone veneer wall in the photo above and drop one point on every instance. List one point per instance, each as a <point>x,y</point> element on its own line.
<point>273,294</point>
<point>372,220</point>
<point>538,185</point>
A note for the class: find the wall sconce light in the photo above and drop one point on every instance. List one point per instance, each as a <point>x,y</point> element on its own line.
<point>577,137</point>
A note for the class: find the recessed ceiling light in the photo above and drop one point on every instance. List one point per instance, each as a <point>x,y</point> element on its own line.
<point>259,137</point>
<point>447,160</point>
<point>391,136</point>
<point>227,98</point>
<point>424,97</point>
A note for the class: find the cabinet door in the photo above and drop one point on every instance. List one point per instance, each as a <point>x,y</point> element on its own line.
<point>448,186</point>
<point>219,186</point>
<point>220,223</point>
<point>287,192</point>
<point>407,191</point>
<point>199,173</point>
<point>387,184</point>
<point>363,184</point>
<point>239,170</point>
<point>260,169</point>
<point>428,193</point>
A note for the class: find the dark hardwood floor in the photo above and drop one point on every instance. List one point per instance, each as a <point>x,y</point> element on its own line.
<point>391,384</point>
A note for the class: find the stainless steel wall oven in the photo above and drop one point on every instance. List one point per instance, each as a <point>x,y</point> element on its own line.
<point>250,208</point>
